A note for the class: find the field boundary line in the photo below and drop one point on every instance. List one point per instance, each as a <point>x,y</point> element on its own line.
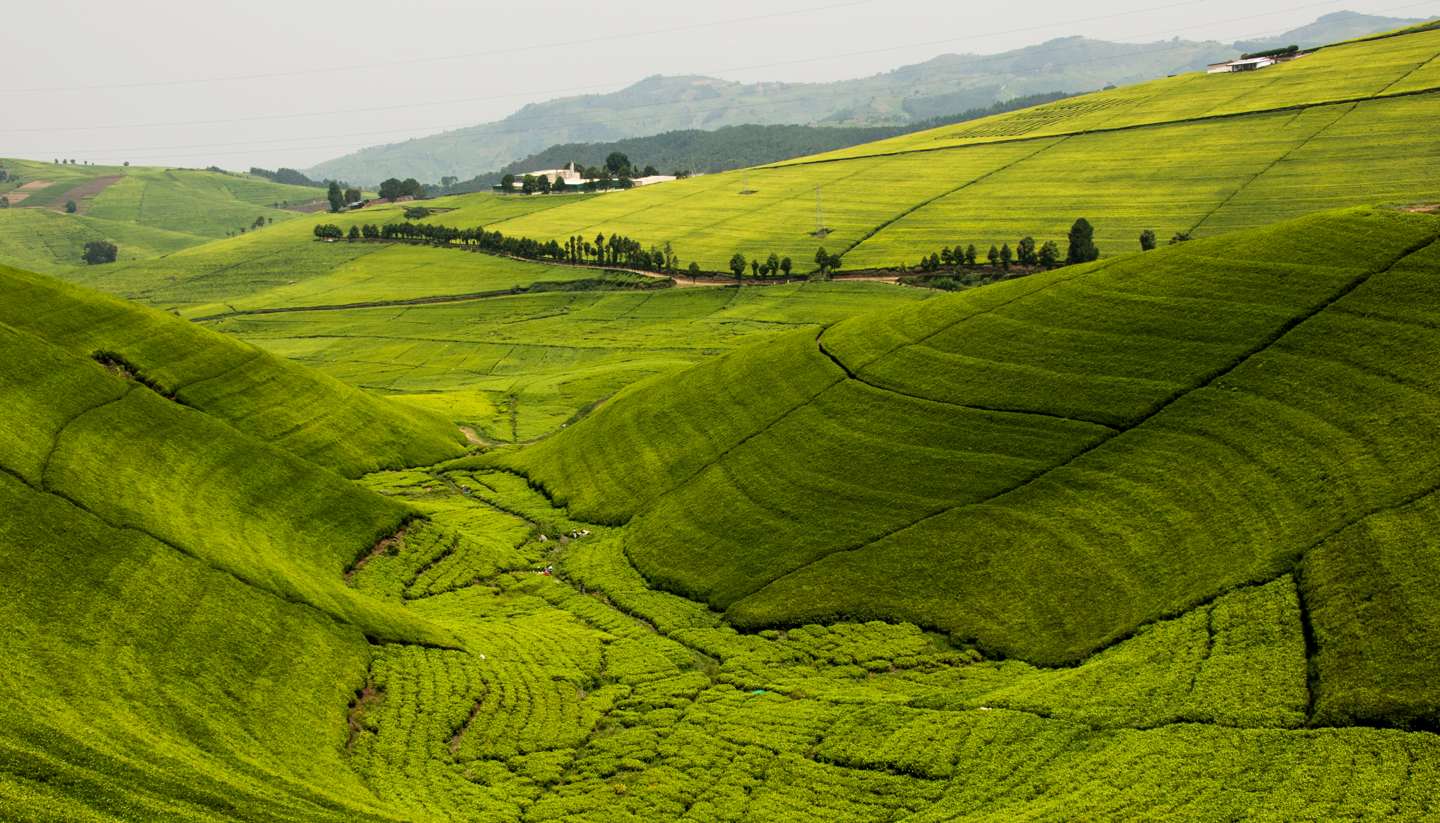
<point>949,404</point>
<point>944,194</point>
<point>1205,381</point>
<point>1285,155</point>
<point>1111,129</point>
<point>1402,78</point>
<point>372,304</point>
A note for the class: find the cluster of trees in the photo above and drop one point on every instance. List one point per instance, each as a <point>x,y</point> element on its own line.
<point>769,267</point>
<point>1280,52</point>
<point>615,250</point>
<point>394,188</point>
<point>616,173</point>
<point>618,249</point>
<point>1147,239</point>
<point>339,198</point>
<point>1027,252</point>
<point>289,177</point>
<point>100,251</point>
<point>260,223</point>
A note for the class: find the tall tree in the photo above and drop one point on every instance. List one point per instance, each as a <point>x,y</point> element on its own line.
<point>617,163</point>
<point>822,260</point>
<point>390,189</point>
<point>335,196</point>
<point>737,265</point>
<point>1147,240</point>
<point>971,254</point>
<point>100,251</point>
<point>772,263</point>
<point>1082,243</point>
<point>1006,256</point>
<point>1025,252</point>
<point>993,256</point>
<point>1050,254</point>
<point>70,207</point>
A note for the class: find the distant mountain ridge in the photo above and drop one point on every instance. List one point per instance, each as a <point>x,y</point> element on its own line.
<point>940,86</point>
<point>729,147</point>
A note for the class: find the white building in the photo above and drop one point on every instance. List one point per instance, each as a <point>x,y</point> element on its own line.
<point>1252,63</point>
<point>569,174</point>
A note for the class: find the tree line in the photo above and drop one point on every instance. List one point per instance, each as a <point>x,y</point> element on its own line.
<point>1027,252</point>
<point>615,250</point>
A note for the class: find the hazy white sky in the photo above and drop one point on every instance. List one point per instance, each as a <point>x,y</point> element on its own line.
<point>261,82</point>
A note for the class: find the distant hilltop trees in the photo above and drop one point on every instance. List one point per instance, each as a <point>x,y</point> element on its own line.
<point>289,177</point>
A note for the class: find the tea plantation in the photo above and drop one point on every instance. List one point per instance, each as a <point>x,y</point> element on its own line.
<point>325,529</point>
<point>1347,125</point>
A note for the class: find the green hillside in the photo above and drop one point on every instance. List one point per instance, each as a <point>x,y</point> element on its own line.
<point>319,419</point>
<point>203,626</point>
<point>303,529</point>
<point>977,444</point>
<point>1194,153</point>
<point>145,211</point>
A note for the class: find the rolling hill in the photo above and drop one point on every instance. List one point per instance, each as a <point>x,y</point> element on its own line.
<point>1148,537</point>
<point>1194,153</point>
<point>939,87</point>
<point>1006,431</point>
<point>206,626</point>
<point>145,211</point>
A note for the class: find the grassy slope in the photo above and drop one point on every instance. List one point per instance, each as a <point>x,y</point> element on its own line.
<point>309,415</point>
<point>517,368</point>
<point>181,644</point>
<point>283,265</point>
<point>987,440</point>
<point>147,212</point>
<point>1033,172</point>
<point>560,706</point>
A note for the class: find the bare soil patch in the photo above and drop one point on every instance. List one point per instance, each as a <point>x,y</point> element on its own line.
<point>1424,208</point>
<point>85,192</point>
<point>395,541</point>
<point>311,207</point>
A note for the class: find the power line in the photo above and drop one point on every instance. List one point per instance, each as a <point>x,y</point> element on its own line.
<point>518,125</point>
<point>593,86</point>
<point>437,59</point>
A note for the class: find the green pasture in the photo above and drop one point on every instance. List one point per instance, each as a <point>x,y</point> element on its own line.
<point>519,367</point>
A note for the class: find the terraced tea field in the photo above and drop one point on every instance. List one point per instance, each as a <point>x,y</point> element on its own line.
<point>339,531</point>
<point>1347,125</point>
